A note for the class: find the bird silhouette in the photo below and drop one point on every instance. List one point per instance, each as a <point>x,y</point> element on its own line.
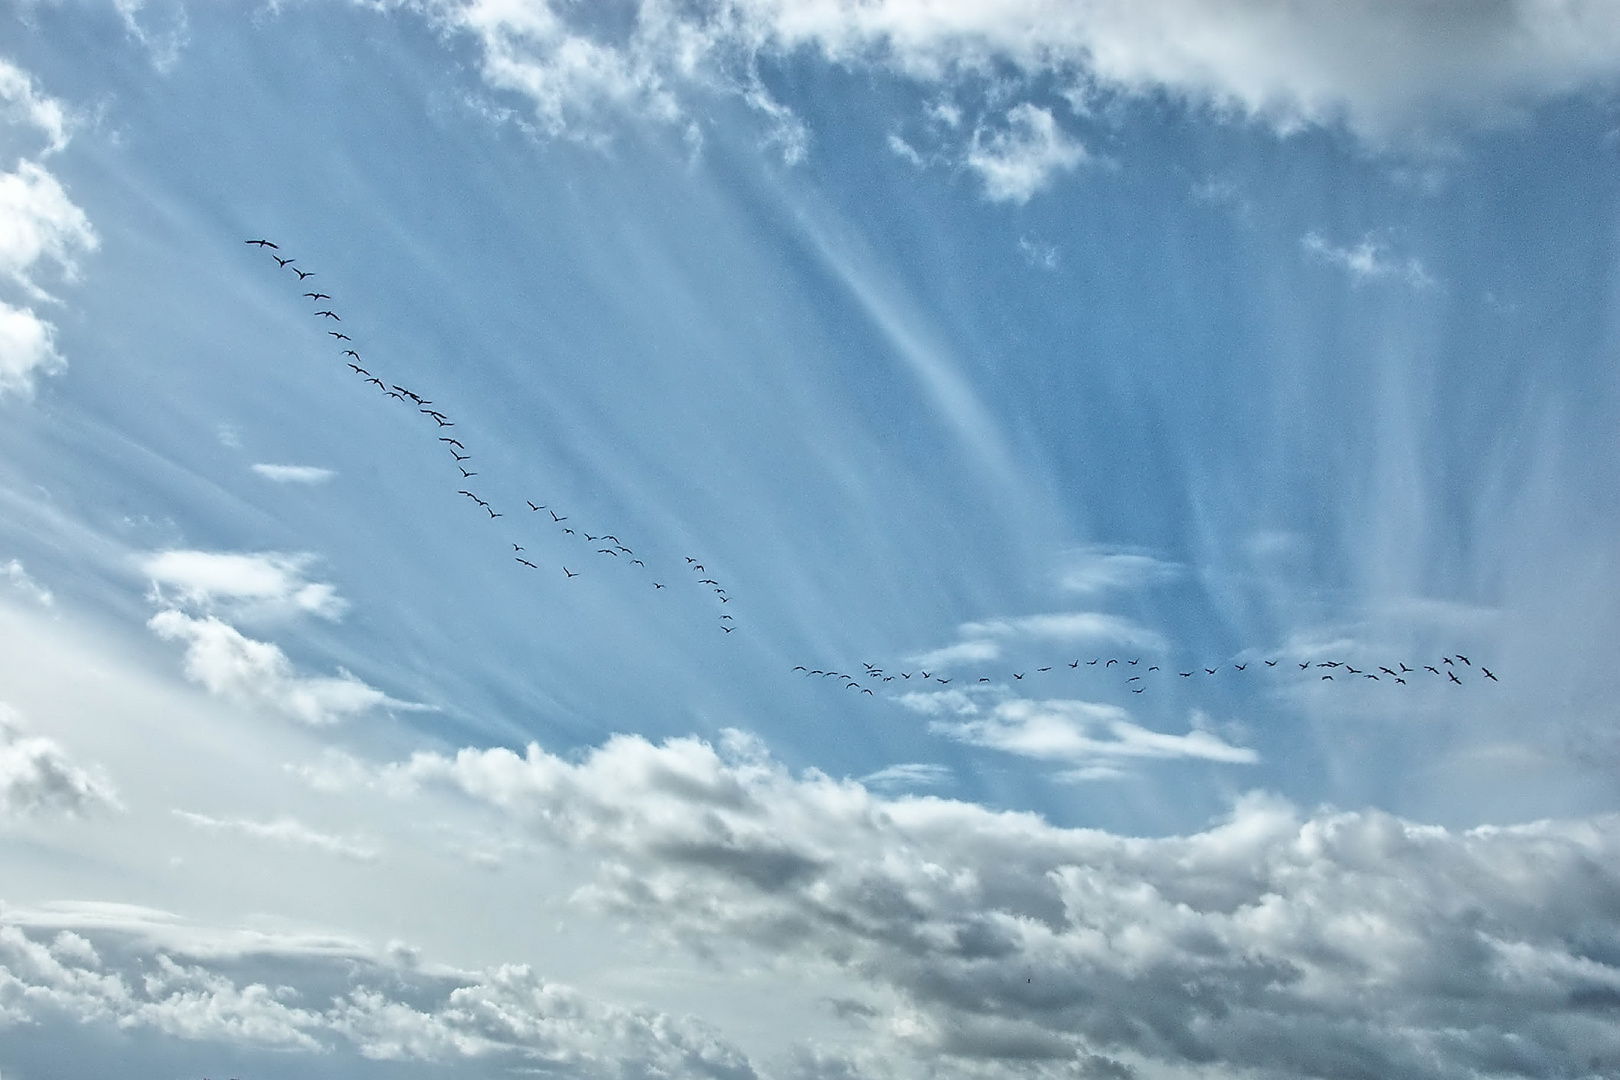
<point>302,274</point>
<point>569,572</point>
<point>1488,674</point>
<point>529,564</point>
<point>1453,677</point>
<point>284,262</point>
<point>465,474</point>
<point>1465,659</point>
<point>358,370</point>
<point>328,314</point>
<point>532,506</point>
<point>317,296</point>
<point>340,337</point>
<point>351,352</point>
<point>261,243</point>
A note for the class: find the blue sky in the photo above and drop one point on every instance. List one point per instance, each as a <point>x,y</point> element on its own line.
<point>968,338</point>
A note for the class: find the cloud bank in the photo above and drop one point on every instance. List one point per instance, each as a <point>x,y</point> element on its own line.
<point>1328,944</point>
<point>1384,68</point>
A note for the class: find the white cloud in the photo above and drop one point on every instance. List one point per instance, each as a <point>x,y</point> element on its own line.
<point>258,583</point>
<point>286,831</point>
<point>1102,570</point>
<point>27,348</point>
<point>962,651</point>
<point>1040,256</point>
<point>911,774</point>
<point>278,995</point>
<point>39,224</point>
<point>21,104</point>
<point>294,474</point>
<point>1020,160</point>
<point>1066,626</point>
<point>1084,733</point>
<point>18,575</point>
<point>228,663</point>
<point>36,776</point>
<point>1330,944</point>
<point>1368,260</point>
<point>1386,68</point>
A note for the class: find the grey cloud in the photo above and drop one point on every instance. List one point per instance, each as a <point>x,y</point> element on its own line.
<point>1330,944</point>
<point>37,776</point>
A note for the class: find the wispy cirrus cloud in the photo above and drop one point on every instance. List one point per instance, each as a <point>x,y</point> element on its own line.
<point>286,832</point>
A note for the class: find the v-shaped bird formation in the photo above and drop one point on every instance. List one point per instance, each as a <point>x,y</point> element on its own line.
<point>589,547</point>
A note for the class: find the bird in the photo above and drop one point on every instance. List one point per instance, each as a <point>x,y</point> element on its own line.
<point>733,619</point>
<point>1305,665</point>
<point>517,547</point>
<point>1240,667</point>
<point>444,423</point>
<point>328,314</point>
<point>1185,674</point>
<point>940,680</point>
<point>639,563</point>
<point>283,262</point>
<point>396,396</point>
<point>457,445</point>
<point>302,274</point>
<point>1447,660</point>
<point>568,532</point>
<point>983,678</point>
<point>1400,680</point>
<point>729,629</point>
<point>1139,689</point>
<point>1465,659</point>
<point>465,474</point>
<point>527,563</point>
<point>592,539</point>
<point>1043,669</point>
<point>1211,670</point>
<point>656,585</point>
<point>1271,663</point>
<point>1327,678</point>
<point>607,551</point>
<point>569,572</point>
<point>1385,670</point>
<point>1075,664</point>
<point>802,668</point>
<point>1404,669</point>
<point>1488,674</point>
<point>351,352</point>
<point>378,381</point>
<point>340,337</point>
<point>554,516</point>
<point>532,506</point>
<point>1092,663</point>
<point>317,296</point>
<point>358,370</point>
<point>1453,677</point>
<point>1369,675</point>
<point>262,243</point>
<point>690,559</point>
<point>1155,667</point>
<point>1017,676</point>
<point>1134,678</point>
<point>1111,663</point>
<point>1428,667</point>
<point>460,457</point>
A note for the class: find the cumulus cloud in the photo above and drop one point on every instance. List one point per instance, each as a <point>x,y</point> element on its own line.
<point>1385,68</point>
<point>39,225</point>
<point>277,996</point>
<point>294,474</point>
<point>228,663</point>
<point>1086,734</point>
<point>1329,944</point>
<point>1368,260</point>
<point>37,776</point>
<point>285,831</point>
<point>910,774</point>
<point>256,583</point>
<point>1019,160</point>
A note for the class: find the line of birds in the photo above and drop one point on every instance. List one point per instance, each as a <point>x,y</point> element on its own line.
<point>1338,671</point>
<point>608,544</point>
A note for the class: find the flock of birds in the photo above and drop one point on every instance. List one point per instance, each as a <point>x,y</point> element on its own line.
<point>598,545</point>
<point>607,545</point>
<point>1455,669</point>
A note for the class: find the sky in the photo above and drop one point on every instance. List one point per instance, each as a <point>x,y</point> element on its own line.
<point>885,539</point>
